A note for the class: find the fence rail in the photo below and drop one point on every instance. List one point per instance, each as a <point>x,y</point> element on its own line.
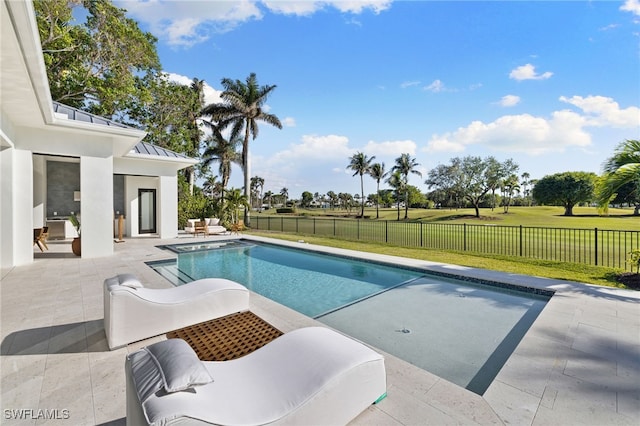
<point>594,246</point>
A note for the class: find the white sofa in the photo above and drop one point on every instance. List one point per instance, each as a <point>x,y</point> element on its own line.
<point>212,226</point>
<point>132,312</point>
<point>310,376</point>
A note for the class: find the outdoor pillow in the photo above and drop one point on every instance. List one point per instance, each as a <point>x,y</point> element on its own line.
<point>178,365</point>
<point>214,221</point>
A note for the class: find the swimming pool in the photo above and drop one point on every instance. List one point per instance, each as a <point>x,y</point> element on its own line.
<point>459,330</point>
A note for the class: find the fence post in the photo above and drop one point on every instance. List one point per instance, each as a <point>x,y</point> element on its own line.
<point>520,240</point>
<point>297,220</point>
<point>314,226</point>
<point>386,231</point>
<point>595,239</point>
<point>421,227</point>
<point>334,227</point>
<point>464,243</point>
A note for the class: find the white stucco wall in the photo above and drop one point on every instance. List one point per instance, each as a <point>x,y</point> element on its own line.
<point>39,191</point>
<point>168,207</point>
<point>96,206</point>
<point>6,209</point>
<point>20,206</point>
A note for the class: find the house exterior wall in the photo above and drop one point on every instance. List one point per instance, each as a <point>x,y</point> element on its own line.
<point>96,201</point>
<point>168,207</point>
<point>16,217</point>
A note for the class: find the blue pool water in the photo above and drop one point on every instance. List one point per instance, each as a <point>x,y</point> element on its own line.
<point>461,331</point>
<point>312,284</point>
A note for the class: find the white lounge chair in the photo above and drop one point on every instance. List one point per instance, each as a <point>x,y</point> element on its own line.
<point>310,376</point>
<point>132,312</point>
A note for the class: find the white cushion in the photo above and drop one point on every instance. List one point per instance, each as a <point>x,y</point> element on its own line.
<point>178,365</point>
<point>311,375</point>
<point>213,221</point>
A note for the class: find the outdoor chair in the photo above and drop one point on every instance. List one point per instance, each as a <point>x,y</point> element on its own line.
<point>308,376</point>
<point>40,236</point>
<point>238,226</point>
<point>132,312</point>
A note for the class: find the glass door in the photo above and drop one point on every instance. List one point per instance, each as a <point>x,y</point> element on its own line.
<point>146,211</point>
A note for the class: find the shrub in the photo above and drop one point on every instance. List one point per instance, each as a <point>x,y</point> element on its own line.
<point>285,210</point>
<point>634,259</point>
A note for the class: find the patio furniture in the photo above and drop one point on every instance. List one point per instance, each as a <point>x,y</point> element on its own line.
<point>237,227</point>
<point>132,312</point>
<point>209,226</point>
<point>308,376</point>
<point>40,236</point>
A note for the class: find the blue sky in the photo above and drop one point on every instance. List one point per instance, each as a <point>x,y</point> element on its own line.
<point>553,85</point>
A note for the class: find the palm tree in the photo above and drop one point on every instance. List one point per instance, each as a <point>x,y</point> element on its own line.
<point>210,186</point>
<point>405,164</point>
<point>285,194</point>
<point>378,173</point>
<point>242,109</point>
<point>360,164</point>
<point>622,168</point>
<point>194,136</point>
<point>257,184</point>
<point>223,151</point>
<point>235,200</point>
<point>268,196</point>
<point>396,182</point>
<point>525,183</point>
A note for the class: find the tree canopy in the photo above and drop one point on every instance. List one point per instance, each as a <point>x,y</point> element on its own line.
<point>96,65</point>
<point>565,189</point>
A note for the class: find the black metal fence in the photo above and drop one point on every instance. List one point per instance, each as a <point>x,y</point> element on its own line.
<point>594,246</point>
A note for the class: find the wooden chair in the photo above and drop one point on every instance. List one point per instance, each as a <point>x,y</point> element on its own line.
<point>237,227</point>
<point>38,238</point>
<point>200,228</point>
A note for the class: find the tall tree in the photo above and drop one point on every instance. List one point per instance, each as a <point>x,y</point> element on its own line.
<point>257,184</point>
<point>406,165</point>
<point>378,173</point>
<point>284,192</point>
<point>360,164</point>
<point>94,66</point>
<point>622,168</point>
<point>565,189</point>
<point>224,152</point>
<point>525,183</point>
<point>509,185</point>
<point>396,181</point>
<point>243,109</point>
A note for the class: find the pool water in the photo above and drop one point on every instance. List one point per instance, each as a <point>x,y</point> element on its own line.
<point>461,331</point>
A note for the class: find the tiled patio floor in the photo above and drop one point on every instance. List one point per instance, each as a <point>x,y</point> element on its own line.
<point>578,364</point>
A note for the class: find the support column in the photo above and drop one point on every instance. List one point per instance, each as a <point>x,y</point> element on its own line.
<point>167,205</point>
<point>17,204</point>
<point>96,206</point>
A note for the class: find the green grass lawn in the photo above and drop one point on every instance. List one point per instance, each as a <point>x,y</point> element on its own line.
<point>547,216</point>
<point>584,217</point>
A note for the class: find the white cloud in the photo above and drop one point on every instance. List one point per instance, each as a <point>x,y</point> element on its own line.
<point>436,87</point>
<point>517,133</point>
<point>389,148</point>
<point>528,72</point>
<point>289,122</point>
<point>602,111</point>
<point>316,147</point>
<point>211,95</point>
<point>406,84</point>
<point>188,23</point>
<point>632,6</point>
<point>509,100</point>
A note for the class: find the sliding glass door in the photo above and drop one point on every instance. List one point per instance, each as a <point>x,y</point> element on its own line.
<point>146,211</point>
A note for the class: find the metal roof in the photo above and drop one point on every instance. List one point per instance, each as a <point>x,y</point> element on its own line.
<point>150,149</point>
<point>78,115</point>
<point>144,148</point>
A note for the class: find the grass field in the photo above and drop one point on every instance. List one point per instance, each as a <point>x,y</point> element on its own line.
<point>585,218</point>
<point>547,216</point>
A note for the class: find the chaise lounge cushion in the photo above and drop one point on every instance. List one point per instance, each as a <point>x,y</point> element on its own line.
<point>132,314</point>
<point>311,375</point>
